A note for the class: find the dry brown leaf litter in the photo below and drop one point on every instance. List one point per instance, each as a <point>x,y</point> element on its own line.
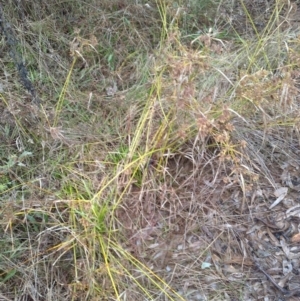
<point>175,238</point>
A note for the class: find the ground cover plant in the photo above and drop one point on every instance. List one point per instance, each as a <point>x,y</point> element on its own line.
<point>149,150</point>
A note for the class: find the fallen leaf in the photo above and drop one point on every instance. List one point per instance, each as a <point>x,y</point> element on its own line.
<point>280,191</point>
<point>296,238</point>
<point>280,194</point>
<point>205,265</point>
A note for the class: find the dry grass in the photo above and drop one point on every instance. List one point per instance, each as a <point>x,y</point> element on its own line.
<point>161,142</point>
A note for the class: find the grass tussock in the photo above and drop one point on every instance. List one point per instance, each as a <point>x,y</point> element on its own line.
<point>157,140</point>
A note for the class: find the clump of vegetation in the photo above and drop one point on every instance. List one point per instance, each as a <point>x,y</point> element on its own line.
<point>160,130</point>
